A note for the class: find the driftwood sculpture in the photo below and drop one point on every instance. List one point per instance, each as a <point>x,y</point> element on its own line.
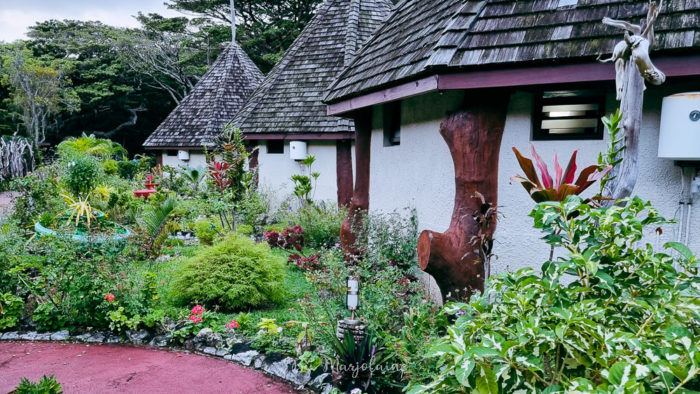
<point>16,157</point>
<point>633,66</point>
<point>473,136</point>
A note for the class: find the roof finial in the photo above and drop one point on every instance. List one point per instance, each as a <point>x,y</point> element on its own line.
<point>233,21</point>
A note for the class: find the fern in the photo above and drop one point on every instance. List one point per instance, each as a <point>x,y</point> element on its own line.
<point>153,221</point>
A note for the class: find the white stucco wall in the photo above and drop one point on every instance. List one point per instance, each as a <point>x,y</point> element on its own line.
<point>276,171</point>
<point>419,172</point>
<point>197,160</point>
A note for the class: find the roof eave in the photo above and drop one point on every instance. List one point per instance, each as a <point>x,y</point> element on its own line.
<point>673,66</point>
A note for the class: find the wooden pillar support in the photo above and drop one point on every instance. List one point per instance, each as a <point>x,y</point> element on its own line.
<point>473,136</point>
<point>254,161</point>
<point>359,204</point>
<point>344,172</point>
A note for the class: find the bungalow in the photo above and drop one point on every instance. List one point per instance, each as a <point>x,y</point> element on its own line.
<point>286,117</point>
<point>198,119</point>
<point>445,88</point>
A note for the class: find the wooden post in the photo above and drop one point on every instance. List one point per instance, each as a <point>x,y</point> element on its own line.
<point>254,161</point>
<point>344,172</point>
<point>473,135</point>
<point>359,204</point>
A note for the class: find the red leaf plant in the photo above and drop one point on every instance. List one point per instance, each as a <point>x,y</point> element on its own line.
<point>218,172</point>
<point>562,185</point>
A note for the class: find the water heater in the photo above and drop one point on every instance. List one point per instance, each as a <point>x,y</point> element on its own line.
<point>297,150</point>
<point>679,137</point>
<point>183,155</point>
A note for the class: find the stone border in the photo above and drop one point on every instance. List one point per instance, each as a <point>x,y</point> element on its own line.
<point>206,343</point>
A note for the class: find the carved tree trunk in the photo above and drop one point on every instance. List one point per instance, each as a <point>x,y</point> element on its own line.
<point>474,138</point>
<point>254,163</point>
<point>344,172</point>
<point>359,204</point>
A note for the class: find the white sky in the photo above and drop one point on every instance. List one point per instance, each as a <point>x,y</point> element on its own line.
<point>17,15</point>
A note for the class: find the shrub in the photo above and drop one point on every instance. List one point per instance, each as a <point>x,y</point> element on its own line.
<point>81,174</point>
<point>205,231</point>
<point>321,224</point>
<point>290,238</point>
<point>10,310</point>
<point>46,385</point>
<point>127,169</point>
<point>110,167</point>
<point>233,274</point>
<point>629,321</point>
<point>391,239</point>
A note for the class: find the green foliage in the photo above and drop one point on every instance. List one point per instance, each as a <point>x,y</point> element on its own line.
<point>81,174</point>
<point>110,167</point>
<point>305,183</point>
<point>391,238</point>
<point>103,149</point>
<point>616,147</point>
<point>39,194</point>
<point>127,169</point>
<point>321,224</point>
<point>192,179</point>
<point>629,321</point>
<point>232,275</point>
<point>45,385</point>
<point>153,223</point>
<point>10,310</point>
<point>205,231</point>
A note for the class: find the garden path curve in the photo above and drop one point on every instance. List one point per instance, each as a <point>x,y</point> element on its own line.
<point>118,369</point>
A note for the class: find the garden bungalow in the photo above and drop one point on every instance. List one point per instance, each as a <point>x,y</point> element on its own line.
<point>494,74</point>
<point>286,117</point>
<point>218,96</point>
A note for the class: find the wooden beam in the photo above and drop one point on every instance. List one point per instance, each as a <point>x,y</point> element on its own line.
<point>344,172</point>
<point>673,66</point>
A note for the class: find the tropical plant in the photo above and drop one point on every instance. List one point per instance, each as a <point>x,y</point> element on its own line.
<point>193,178</point>
<point>91,145</point>
<point>563,185</point>
<point>80,209</point>
<point>234,274</point>
<point>304,184</point>
<point>153,223</point>
<point>353,361</point>
<point>628,322</point>
<point>10,310</point>
<point>616,147</point>
<point>81,175</point>
<point>45,385</point>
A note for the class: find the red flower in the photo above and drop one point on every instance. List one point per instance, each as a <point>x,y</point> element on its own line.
<point>197,310</point>
<point>110,297</point>
<point>233,324</point>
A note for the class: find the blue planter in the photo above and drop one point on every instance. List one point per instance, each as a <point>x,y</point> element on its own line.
<point>121,236</point>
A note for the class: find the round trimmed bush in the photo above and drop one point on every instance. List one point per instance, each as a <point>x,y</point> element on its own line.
<point>233,275</point>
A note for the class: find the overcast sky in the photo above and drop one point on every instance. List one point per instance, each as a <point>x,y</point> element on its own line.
<point>17,15</point>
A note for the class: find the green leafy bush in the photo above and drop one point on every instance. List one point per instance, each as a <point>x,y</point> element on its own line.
<point>81,174</point>
<point>46,385</point>
<point>321,224</point>
<point>233,274</point>
<point>110,167</point>
<point>127,169</point>
<point>629,321</point>
<point>10,310</point>
<point>205,231</point>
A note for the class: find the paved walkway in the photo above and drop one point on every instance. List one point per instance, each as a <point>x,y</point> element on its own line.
<point>7,201</point>
<point>116,369</point>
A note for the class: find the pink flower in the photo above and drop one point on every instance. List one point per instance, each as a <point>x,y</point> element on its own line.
<point>196,319</point>
<point>110,297</point>
<point>197,310</point>
<point>233,324</point>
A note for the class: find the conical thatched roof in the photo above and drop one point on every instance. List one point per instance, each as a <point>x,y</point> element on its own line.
<point>289,100</point>
<point>214,101</point>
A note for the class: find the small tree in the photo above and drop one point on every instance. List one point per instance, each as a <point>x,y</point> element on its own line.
<point>304,184</point>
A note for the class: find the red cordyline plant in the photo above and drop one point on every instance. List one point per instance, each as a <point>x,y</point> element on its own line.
<point>562,185</point>
<point>218,172</point>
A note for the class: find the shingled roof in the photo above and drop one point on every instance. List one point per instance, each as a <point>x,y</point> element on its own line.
<point>216,98</point>
<point>289,101</point>
<point>423,37</point>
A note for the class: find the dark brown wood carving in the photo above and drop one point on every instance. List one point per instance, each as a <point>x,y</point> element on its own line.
<point>473,136</point>
<point>254,161</point>
<point>359,204</point>
<point>344,172</point>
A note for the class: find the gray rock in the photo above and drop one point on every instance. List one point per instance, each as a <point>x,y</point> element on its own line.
<point>112,339</point>
<point>60,336</point>
<point>95,337</point>
<point>244,358</point>
<point>287,369</point>
<point>258,361</point>
<point>82,337</point>
<point>28,336</point>
<point>10,336</point>
<point>43,337</point>
<point>160,341</point>
<point>137,337</point>
<point>320,381</point>
<point>210,351</point>
<point>327,389</point>
<point>206,338</point>
<point>221,352</point>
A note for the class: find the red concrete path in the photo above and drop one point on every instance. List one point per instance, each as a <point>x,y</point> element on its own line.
<point>115,369</point>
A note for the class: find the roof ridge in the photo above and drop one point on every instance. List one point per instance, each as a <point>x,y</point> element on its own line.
<point>351,31</point>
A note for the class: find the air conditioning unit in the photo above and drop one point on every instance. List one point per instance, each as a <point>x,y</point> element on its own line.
<point>183,155</point>
<point>298,150</point>
<point>679,136</point>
